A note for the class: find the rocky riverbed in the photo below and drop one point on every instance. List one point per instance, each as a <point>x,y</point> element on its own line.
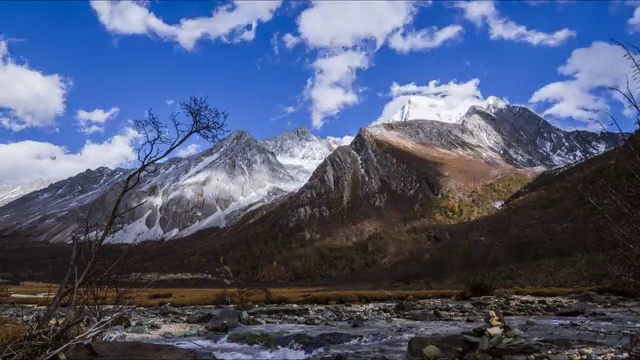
<point>584,326</point>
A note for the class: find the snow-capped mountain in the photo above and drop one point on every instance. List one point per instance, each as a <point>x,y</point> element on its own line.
<point>514,133</point>
<point>218,186</point>
<point>300,152</point>
<point>10,192</point>
<point>417,107</point>
<point>209,189</point>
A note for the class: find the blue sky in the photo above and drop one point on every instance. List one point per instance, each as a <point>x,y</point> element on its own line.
<point>273,66</point>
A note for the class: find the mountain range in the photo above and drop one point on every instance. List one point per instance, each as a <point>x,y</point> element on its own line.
<point>394,167</point>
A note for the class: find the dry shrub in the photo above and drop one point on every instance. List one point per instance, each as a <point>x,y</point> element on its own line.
<point>11,330</point>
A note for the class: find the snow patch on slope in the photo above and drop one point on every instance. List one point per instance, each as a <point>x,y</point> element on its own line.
<point>10,192</point>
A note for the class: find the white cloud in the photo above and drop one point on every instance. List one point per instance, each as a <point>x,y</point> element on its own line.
<point>435,101</point>
<point>188,150</point>
<point>346,34</point>
<point>28,98</point>
<point>233,22</point>
<point>348,23</point>
<point>331,89</point>
<point>93,121</point>
<point>501,27</point>
<point>27,161</point>
<point>286,111</point>
<point>404,42</point>
<point>634,21</point>
<point>290,41</point>
<point>170,102</point>
<point>591,71</point>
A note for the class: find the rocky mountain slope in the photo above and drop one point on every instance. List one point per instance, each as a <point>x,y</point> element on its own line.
<point>387,173</point>
<point>213,188</point>
<point>513,132</point>
<point>388,193</point>
<point>10,192</point>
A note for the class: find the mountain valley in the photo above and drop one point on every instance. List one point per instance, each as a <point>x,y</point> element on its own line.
<point>297,207</point>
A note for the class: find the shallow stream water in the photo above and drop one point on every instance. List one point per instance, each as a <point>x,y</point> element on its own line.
<point>388,339</point>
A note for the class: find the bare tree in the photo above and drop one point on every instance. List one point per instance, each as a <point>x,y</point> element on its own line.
<point>90,280</point>
<point>616,195</point>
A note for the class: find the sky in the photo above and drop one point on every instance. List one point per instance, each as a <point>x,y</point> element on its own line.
<point>73,74</point>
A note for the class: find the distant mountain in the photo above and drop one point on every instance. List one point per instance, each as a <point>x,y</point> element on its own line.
<point>514,133</point>
<point>396,165</point>
<point>390,178</point>
<point>213,188</point>
<point>10,192</point>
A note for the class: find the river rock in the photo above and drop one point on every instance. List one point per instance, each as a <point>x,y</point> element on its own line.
<point>588,297</point>
<point>223,320</point>
<point>309,343</point>
<point>199,318</point>
<point>431,353</point>
<point>357,322</point>
<point>449,344</point>
<point>574,310</point>
<point>169,310</point>
<point>138,329</point>
<point>122,320</point>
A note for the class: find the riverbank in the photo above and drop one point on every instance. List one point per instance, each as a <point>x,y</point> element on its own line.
<point>38,293</point>
<point>566,328</point>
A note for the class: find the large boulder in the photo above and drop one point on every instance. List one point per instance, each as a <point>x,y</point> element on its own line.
<point>223,320</point>
<point>199,317</point>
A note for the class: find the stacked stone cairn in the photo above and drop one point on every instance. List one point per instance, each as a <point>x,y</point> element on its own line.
<point>495,339</point>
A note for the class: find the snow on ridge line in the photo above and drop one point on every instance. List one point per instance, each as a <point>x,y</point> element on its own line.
<point>443,109</point>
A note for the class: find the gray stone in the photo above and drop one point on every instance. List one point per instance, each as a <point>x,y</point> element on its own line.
<point>137,330</point>
<point>223,320</point>
<point>588,296</point>
<point>431,352</point>
<point>169,310</point>
<point>558,357</point>
<point>199,318</point>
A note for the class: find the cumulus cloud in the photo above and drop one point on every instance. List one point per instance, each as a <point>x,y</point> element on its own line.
<point>346,34</point>
<point>332,86</point>
<point>28,98</point>
<point>590,72</point>
<point>28,161</point>
<point>446,102</point>
<point>233,22</point>
<point>94,120</point>
<point>431,38</point>
<point>188,150</point>
<point>502,28</point>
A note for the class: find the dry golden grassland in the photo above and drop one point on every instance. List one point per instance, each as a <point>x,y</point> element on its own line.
<point>300,295</point>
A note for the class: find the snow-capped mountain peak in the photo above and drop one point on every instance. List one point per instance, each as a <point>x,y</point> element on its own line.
<point>418,107</point>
